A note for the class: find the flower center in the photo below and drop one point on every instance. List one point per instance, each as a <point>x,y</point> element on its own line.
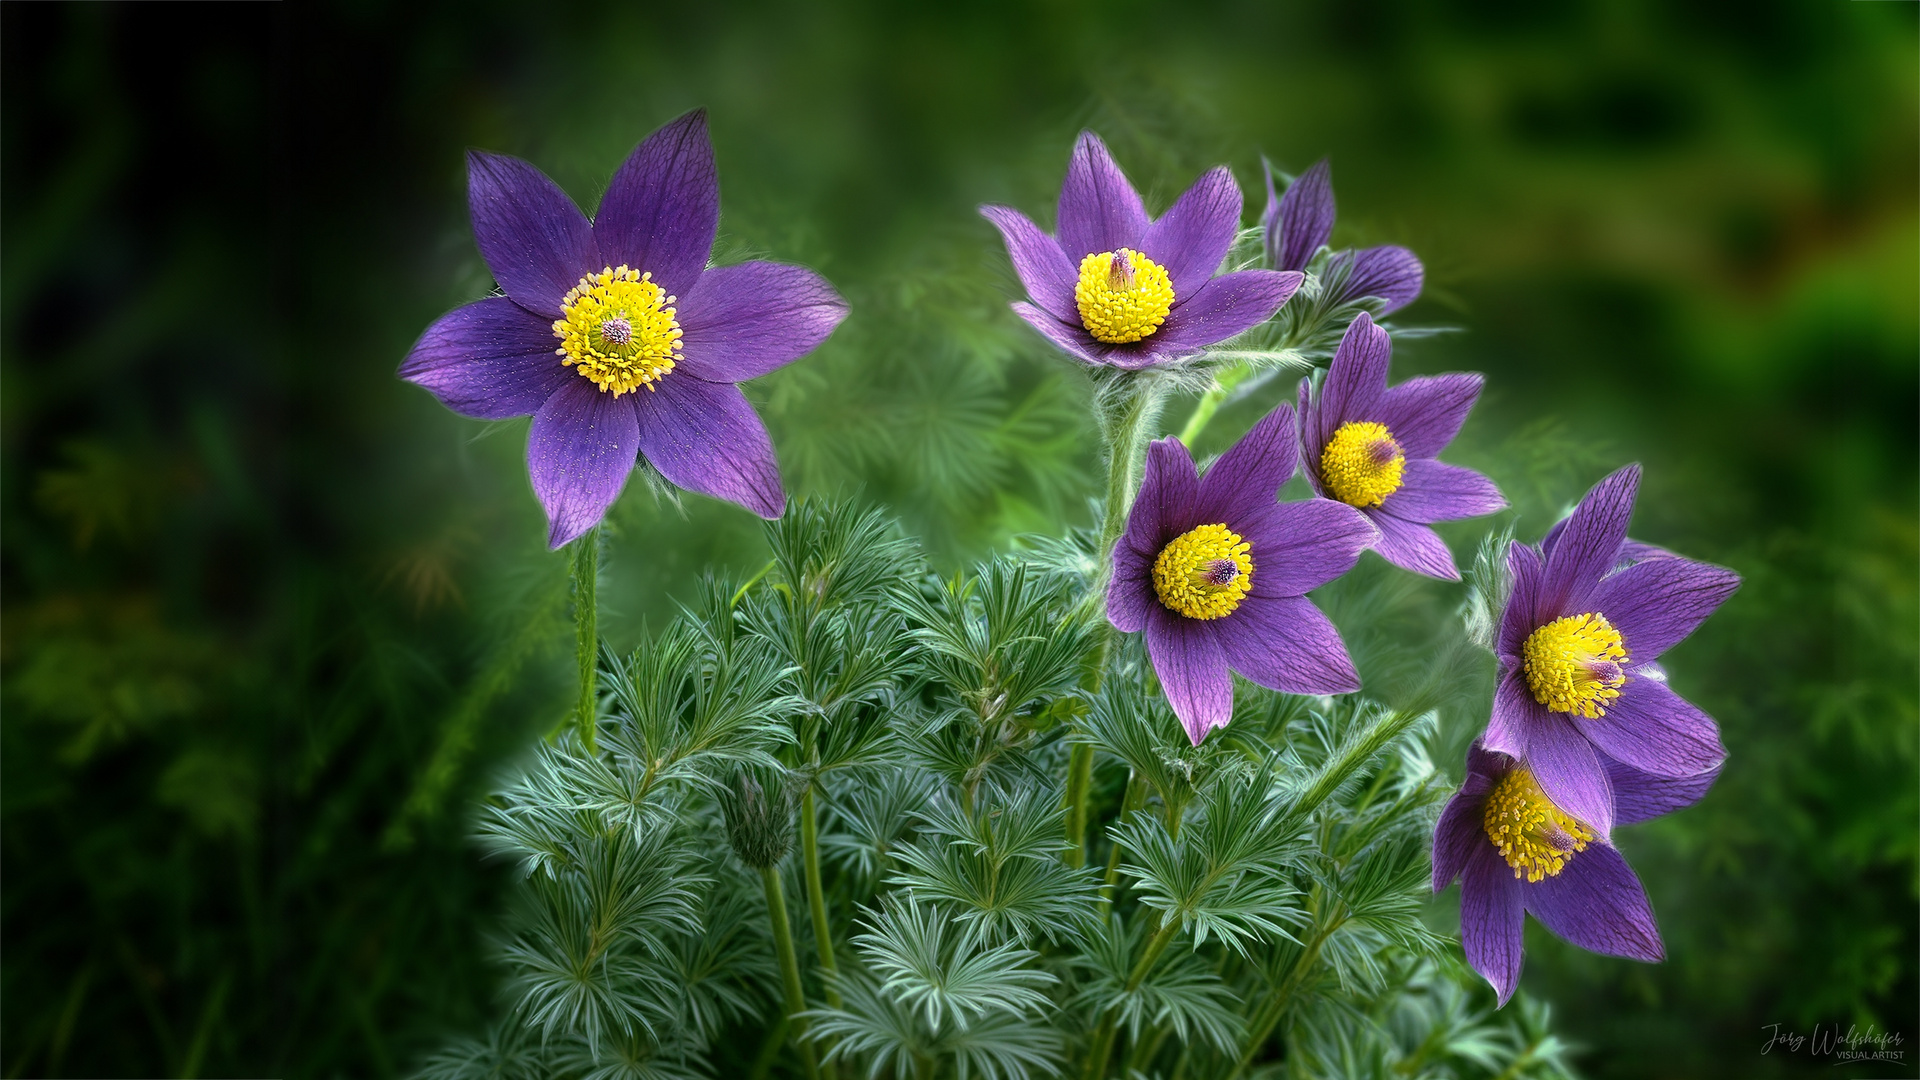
<point>1362,463</point>
<point>1204,573</point>
<point>1123,295</point>
<point>1533,835</point>
<point>617,329</point>
<point>1573,665</point>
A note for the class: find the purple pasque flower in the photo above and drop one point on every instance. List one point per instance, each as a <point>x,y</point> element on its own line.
<point>1299,223</point>
<point>1515,851</point>
<point>1584,625</point>
<point>617,337</point>
<point>1117,289</point>
<point>1216,572</point>
<point>1372,447</point>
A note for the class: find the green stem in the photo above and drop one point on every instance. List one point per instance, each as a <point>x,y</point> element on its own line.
<point>816,896</point>
<point>1079,779</point>
<point>1128,407</point>
<point>1210,402</point>
<point>1124,427</point>
<point>1103,1038</point>
<point>1135,798</point>
<point>586,613</point>
<point>789,967</point>
<point>1276,1006</point>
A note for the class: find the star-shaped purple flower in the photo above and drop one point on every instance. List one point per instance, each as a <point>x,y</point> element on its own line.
<point>1216,572</point>
<point>1515,852</point>
<point>1585,622</point>
<point>1373,447</point>
<point>1299,223</point>
<point>617,337</point>
<point>1120,290</point>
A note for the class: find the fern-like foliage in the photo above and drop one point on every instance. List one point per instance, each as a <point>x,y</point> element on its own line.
<point>849,816</point>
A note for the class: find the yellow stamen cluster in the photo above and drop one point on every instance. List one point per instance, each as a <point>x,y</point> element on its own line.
<point>1362,464</point>
<point>1204,573</point>
<point>1123,295</point>
<point>617,329</point>
<point>1575,664</point>
<point>1533,835</point>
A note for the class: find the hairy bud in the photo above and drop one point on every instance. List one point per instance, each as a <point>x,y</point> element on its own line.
<point>759,820</point>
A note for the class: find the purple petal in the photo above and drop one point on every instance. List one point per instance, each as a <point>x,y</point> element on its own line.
<point>1633,551</point>
<point>1656,603</point>
<point>740,322</point>
<point>1070,339</point>
<point>1412,546</point>
<point>705,437</point>
<point>1299,546</point>
<point>1225,306</point>
<point>1130,590</point>
<point>1164,507</point>
<point>1514,716</point>
<point>1491,764</point>
<point>1270,215</point>
<point>1193,671</point>
<point>536,242</point>
<point>1312,445</point>
<point>1433,491</point>
<point>1425,412</point>
<point>1304,220</point>
<point>1460,830</point>
<point>1099,210</point>
<point>1146,353</point>
<point>1597,903</point>
<point>580,451</point>
<point>1286,644</point>
<point>1191,239</point>
<point>1641,796</point>
<point>1656,730</point>
<point>1357,378</point>
<point>1522,614</point>
<point>1569,772</point>
<point>1586,548</point>
<point>489,360</point>
<point>1391,274</point>
<point>1492,918</point>
<point>662,209</point>
<point>1249,475</point>
<point>1043,268</point>
<point>1552,539</point>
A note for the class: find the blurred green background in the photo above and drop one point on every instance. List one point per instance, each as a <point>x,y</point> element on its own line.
<point>273,619</point>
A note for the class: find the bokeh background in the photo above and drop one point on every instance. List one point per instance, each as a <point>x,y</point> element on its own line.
<point>274,619</point>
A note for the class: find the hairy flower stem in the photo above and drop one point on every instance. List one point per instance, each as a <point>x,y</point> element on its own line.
<point>1127,406</point>
<point>816,895</point>
<point>1224,384</point>
<point>586,614</point>
<point>1135,798</point>
<point>1102,1047</point>
<point>796,1002</point>
<point>1276,1007</point>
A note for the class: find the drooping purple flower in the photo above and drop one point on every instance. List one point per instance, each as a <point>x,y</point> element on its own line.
<point>1515,852</point>
<point>1216,572</point>
<point>1373,447</point>
<point>1583,626</point>
<point>1115,288</point>
<point>617,337</point>
<point>1299,223</point>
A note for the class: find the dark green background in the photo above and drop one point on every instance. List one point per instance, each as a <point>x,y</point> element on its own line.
<point>274,618</point>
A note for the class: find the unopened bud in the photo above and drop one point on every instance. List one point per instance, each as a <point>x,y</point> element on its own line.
<point>759,821</point>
